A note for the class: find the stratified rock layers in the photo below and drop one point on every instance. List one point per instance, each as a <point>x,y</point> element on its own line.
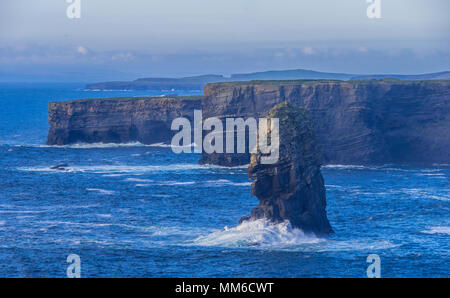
<point>293,187</point>
<point>356,122</point>
<point>145,120</point>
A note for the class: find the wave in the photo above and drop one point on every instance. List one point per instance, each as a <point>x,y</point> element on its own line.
<point>113,175</point>
<point>104,215</point>
<point>22,211</point>
<point>138,180</point>
<point>259,233</point>
<point>95,145</point>
<point>107,90</point>
<point>345,167</point>
<point>161,196</point>
<point>438,230</point>
<point>161,145</point>
<point>224,182</point>
<point>102,191</point>
<point>107,169</point>
<point>165,145</point>
<point>165,183</point>
<point>425,193</point>
<point>120,169</point>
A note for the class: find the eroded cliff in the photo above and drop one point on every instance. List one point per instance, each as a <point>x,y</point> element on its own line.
<point>117,120</point>
<point>292,188</point>
<point>356,122</point>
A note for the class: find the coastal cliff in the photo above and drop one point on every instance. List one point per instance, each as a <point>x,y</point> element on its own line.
<point>356,122</point>
<point>293,187</point>
<point>117,120</point>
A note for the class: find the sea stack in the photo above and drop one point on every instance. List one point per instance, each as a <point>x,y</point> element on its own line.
<point>292,188</point>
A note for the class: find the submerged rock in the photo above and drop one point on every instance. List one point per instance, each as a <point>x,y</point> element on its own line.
<point>61,167</point>
<point>293,187</point>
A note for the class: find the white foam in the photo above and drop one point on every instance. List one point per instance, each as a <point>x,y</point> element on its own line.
<point>113,175</point>
<point>115,169</point>
<point>164,145</point>
<point>223,167</point>
<point>344,167</point>
<point>258,233</point>
<point>424,193</point>
<point>104,215</point>
<point>102,191</point>
<point>138,180</point>
<point>261,234</point>
<point>162,196</point>
<point>160,145</point>
<point>2,222</point>
<point>438,230</point>
<point>95,145</point>
<point>224,182</point>
<point>385,167</point>
<point>22,211</point>
<point>176,183</point>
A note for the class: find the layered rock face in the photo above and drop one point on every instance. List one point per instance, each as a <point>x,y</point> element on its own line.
<point>356,122</point>
<point>293,187</point>
<point>145,120</point>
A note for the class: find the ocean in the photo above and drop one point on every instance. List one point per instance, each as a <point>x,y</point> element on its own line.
<point>131,210</point>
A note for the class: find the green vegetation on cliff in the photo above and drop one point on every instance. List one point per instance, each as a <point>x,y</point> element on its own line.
<point>168,98</point>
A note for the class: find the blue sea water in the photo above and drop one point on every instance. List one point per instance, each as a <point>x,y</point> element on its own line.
<point>142,211</point>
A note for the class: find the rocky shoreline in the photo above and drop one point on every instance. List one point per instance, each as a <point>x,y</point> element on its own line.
<point>352,122</point>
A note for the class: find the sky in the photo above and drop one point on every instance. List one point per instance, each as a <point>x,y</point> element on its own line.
<point>127,39</point>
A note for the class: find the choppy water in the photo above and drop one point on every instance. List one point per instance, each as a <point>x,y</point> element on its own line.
<point>142,211</point>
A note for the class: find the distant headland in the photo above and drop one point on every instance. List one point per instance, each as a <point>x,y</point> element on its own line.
<point>198,82</point>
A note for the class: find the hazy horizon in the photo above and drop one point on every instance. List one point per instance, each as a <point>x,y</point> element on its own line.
<point>173,38</point>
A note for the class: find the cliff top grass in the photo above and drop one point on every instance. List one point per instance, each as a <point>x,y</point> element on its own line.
<point>175,98</point>
<point>325,81</point>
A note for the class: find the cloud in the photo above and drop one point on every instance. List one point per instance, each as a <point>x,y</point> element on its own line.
<point>123,57</point>
<point>308,51</point>
<point>82,50</point>
<point>362,49</point>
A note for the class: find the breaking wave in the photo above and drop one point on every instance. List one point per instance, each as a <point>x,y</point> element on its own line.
<point>105,169</point>
<point>95,145</point>
<point>101,191</point>
<point>259,233</point>
<point>262,234</point>
<point>438,230</point>
<point>224,182</point>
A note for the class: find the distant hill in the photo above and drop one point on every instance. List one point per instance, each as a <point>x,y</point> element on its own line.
<point>428,76</point>
<point>198,82</point>
<point>187,83</point>
<point>295,74</point>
